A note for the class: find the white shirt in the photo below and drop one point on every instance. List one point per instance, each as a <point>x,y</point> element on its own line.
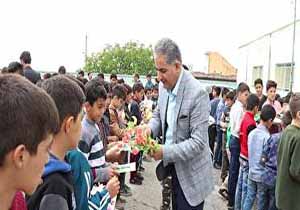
<point>236,115</point>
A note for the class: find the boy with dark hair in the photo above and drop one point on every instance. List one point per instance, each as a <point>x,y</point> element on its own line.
<point>149,84</point>
<point>56,191</point>
<point>113,80</point>
<point>15,67</point>
<point>288,178</point>
<point>215,101</point>
<point>247,125</point>
<point>62,70</point>
<point>256,140</point>
<point>224,123</point>
<point>23,154</point>
<point>91,144</point>
<point>154,96</point>
<point>136,78</point>
<point>258,84</point>
<point>269,162</point>
<point>219,111</point>
<point>236,115</point>
<point>117,101</point>
<point>271,96</point>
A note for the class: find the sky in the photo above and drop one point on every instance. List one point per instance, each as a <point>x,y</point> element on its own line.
<point>54,31</point>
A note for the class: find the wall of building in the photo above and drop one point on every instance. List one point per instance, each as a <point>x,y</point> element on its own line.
<point>217,64</point>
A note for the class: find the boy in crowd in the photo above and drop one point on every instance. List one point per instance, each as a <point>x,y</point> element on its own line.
<point>236,115</point>
<point>56,191</point>
<point>225,129</point>
<point>23,154</point>
<point>257,138</point>
<point>247,125</point>
<point>149,84</point>
<point>269,162</point>
<point>212,130</point>
<point>219,111</point>
<point>271,96</point>
<point>154,97</point>
<point>113,80</point>
<point>91,144</point>
<point>258,84</point>
<point>147,103</point>
<point>288,178</point>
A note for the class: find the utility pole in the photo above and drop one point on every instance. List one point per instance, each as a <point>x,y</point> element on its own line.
<point>293,49</point>
<point>85,52</point>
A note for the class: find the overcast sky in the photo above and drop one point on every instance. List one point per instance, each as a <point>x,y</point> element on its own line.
<point>54,31</point>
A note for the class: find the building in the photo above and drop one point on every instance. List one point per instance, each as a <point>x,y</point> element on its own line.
<point>270,57</point>
<point>218,65</point>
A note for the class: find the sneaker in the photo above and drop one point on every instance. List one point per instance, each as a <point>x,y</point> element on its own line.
<point>135,181</point>
<point>127,188</point>
<point>122,200</point>
<point>217,166</point>
<point>124,192</point>
<point>119,205</point>
<point>140,177</point>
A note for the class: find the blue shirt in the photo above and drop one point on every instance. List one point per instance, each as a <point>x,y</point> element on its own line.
<point>256,140</point>
<point>171,109</point>
<point>213,107</point>
<point>220,110</point>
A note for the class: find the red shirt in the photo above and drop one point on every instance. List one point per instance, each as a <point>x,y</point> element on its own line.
<point>248,124</point>
<point>19,202</point>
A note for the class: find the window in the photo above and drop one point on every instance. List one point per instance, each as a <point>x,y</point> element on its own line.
<point>256,73</point>
<point>283,75</point>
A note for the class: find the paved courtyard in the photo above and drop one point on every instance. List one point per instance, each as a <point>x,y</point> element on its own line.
<point>148,195</point>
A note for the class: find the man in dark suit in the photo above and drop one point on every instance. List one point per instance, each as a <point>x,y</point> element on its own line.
<point>29,73</point>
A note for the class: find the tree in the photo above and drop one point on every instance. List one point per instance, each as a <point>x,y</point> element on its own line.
<point>128,59</point>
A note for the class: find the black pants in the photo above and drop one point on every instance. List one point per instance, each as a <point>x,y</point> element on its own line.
<point>179,201</point>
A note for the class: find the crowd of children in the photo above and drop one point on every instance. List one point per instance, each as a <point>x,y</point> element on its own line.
<point>259,140</point>
<point>74,128</point>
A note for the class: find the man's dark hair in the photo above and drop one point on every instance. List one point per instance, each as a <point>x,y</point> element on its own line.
<point>138,87</point>
<point>101,75</point>
<point>94,90</point>
<point>252,102</point>
<point>25,57</point>
<point>258,81</point>
<point>46,76</point>
<point>62,70</point>
<point>15,67</point>
<point>149,75</point>
<point>271,84</point>
<point>224,91</point>
<point>28,115</point>
<point>230,95</point>
<point>128,89</point>
<point>267,113</point>
<point>113,76</point>
<point>242,87</point>
<point>119,91</point>
<point>81,73</point>
<point>66,94</point>
<point>294,104</point>
<point>137,75</point>
<point>121,81</point>
<point>217,89</point>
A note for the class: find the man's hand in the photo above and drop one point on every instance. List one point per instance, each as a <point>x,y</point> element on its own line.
<point>113,186</point>
<point>158,155</point>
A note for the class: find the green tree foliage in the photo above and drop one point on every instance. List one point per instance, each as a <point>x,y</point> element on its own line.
<point>128,59</point>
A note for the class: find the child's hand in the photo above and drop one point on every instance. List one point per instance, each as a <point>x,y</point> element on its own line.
<point>113,186</point>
